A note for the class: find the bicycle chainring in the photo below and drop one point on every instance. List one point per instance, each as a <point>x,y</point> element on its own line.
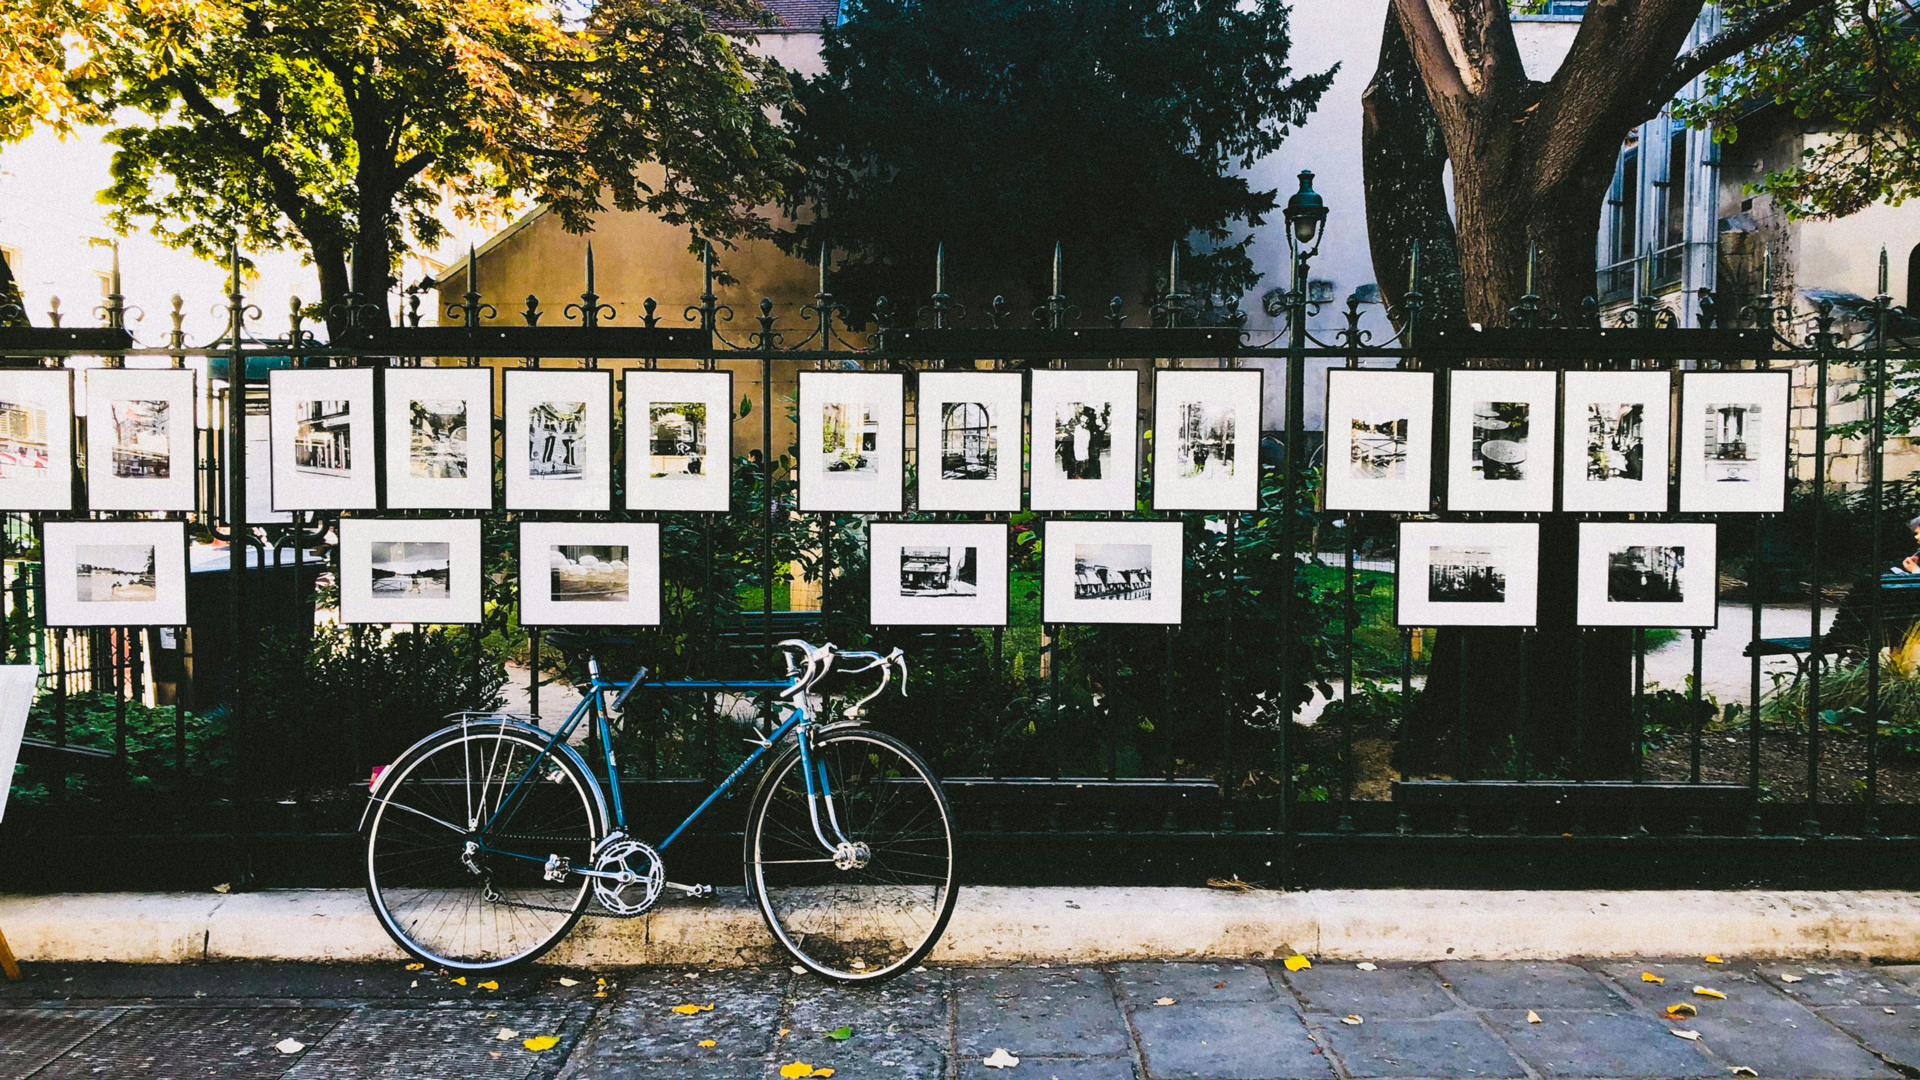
<point>640,877</point>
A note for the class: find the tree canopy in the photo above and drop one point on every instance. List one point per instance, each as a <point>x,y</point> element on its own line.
<point>349,127</point>
<point>1001,126</point>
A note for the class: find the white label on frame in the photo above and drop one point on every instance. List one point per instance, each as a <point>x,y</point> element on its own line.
<point>937,574</point>
<point>970,433</point>
<point>1615,443</point>
<point>1467,574</point>
<point>116,573</point>
<point>679,439</point>
<point>1500,435</point>
<point>589,573</point>
<point>1085,429</point>
<point>1112,572</point>
<point>852,430</point>
<point>439,438</point>
<point>410,570</point>
<point>140,439</point>
<point>322,438</point>
<point>1206,439</point>
<point>36,440</point>
<point>1379,440</point>
<point>559,448</point>
<point>1648,574</point>
<point>1733,441</point>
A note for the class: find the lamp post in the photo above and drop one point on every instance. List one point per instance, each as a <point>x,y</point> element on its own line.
<point>1306,216</point>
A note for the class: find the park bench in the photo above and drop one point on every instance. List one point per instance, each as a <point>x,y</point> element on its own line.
<point>1851,633</point>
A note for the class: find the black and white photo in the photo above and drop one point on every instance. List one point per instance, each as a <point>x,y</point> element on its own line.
<point>1112,571</point>
<point>852,441</point>
<point>322,438</point>
<point>1502,438</point>
<point>1733,441</point>
<point>679,434</point>
<point>1647,574</point>
<point>1615,441</point>
<point>115,573</point>
<point>969,435</point>
<point>439,429</point>
<point>410,570</point>
<point>1206,439</point>
<point>1085,431</point>
<point>559,431</point>
<point>36,440</point>
<point>589,573</point>
<point>140,439</point>
<point>927,574</point>
<point>1467,574</point>
<point>1379,427</point>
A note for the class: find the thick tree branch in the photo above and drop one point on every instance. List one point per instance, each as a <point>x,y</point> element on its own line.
<point>1728,43</point>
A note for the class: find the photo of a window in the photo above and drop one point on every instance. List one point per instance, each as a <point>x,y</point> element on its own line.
<point>1112,571</point>
<point>140,439</point>
<point>36,440</point>
<point>410,570</point>
<point>926,574</point>
<point>1733,441</point>
<point>1206,439</point>
<point>589,573</point>
<point>1379,426</point>
<point>115,573</point>
<point>969,438</point>
<point>439,427</point>
<point>559,431</point>
<point>1501,434</point>
<point>1648,574</point>
<point>1467,574</point>
<point>852,441</point>
<point>321,421</point>
<point>1085,432</point>
<point>1616,441</point>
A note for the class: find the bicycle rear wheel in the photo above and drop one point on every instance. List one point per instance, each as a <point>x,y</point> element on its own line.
<point>459,840</point>
<point>858,920</point>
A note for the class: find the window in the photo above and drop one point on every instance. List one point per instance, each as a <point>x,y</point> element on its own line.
<point>1913,279</point>
<point>12,256</point>
<point>1624,202</point>
<point>1675,229</point>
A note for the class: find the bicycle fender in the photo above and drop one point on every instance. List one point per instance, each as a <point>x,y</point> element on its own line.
<point>374,791</point>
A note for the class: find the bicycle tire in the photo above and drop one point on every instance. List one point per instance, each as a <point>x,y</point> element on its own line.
<point>433,904</point>
<point>861,924</point>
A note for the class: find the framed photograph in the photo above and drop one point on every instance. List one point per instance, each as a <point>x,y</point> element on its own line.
<point>1085,427</point>
<point>1467,574</point>
<point>1648,574</point>
<point>36,440</point>
<point>410,570</point>
<point>439,438</point>
<point>322,438</point>
<point>1500,434</point>
<point>1733,441</point>
<point>971,429</point>
<point>937,574</point>
<point>116,573</point>
<point>559,440</point>
<point>1112,571</point>
<point>589,573</point>
<point>1616,440</point>
<point>1206,439</point>
<point>679,439</point>
<point>259,434</point>
<point>140,439</point>
<point>852,441</point>
<point>1379,440</point>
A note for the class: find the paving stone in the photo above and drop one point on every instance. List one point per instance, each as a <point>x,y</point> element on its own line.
<point>255,982</point>
<point>381,1043</point>
<point>29,1038</point>
<point>1493,984</point>
<point>1895,1037</point>
<point>641,1025</point>
<point>916,1001</point>
<point>896,1055</point>
<point>1237,1041</point>
<point>1455,1047</point>
<point>1832,984</point>
<point>1779,1047</point>
<point>1747,993</point>
<point>1144,984</point>
<point>1603,1044</point>
<point>717,1067</point>
<point>166,1043</point>
<point>1043,1068</point>
<point>1406,992</point>
<point>1039,1011</point>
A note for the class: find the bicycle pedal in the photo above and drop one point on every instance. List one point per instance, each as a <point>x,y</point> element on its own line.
<point>694,892</point>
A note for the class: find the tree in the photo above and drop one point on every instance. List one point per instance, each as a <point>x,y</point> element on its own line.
<point>346,127</point>
<point>998,127</point>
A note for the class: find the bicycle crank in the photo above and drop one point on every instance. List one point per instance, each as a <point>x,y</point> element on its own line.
<point>627,876</point>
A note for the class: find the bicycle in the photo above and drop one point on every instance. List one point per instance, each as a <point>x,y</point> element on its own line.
<point>488,840</point>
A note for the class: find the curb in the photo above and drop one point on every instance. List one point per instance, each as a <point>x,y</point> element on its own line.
<point>1053,925</point>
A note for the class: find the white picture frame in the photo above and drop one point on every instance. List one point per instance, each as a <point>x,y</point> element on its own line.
<point>559,440</point>
<point>1206,438</point>
<point>1616,441</point>
<point>970,430</point>
<point>589,573</point>
<point>259,435</point>
<point>852,441</point>
<point>1380,443</point>
<point>679,439</point>
<point>1467,574</point>
<point>141,451</point>
<point>36,439</point>
<point>1733,441</point>
<point>438,560</point>
<point>115,573</point>
<point>1648,574</point>
<point>439,427</point>
<point>1085,440</point>
<point>937,574</point>
<point>1129,572</point>
<point>322,439</point>
<point>1501,439</point>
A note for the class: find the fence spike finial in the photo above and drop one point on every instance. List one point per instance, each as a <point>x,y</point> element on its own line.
<point>1883,271</point>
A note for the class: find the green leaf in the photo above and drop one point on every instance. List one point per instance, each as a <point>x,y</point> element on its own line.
<point>746,405</point>
<point>841,1033</point>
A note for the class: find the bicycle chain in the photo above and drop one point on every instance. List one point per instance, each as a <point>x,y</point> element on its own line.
<point>602,914</point>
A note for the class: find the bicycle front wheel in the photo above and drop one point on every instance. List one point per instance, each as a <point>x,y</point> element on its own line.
<point>880,907</point>
<point>459,842</point>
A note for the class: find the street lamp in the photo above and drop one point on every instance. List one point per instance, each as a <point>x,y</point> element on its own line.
<point>1306,214</point>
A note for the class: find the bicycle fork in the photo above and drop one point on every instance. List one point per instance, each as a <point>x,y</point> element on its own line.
<point>847,854</point>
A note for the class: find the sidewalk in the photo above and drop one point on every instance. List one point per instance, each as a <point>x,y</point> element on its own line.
<point>1229,1020</point>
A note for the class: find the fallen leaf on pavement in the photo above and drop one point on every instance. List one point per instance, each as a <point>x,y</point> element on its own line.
<point>489,985</point>
<point>707,1043</point>
<point>1741,1070</point>
<point>289,1046</point>
<point>1690,1036</point>
<point>1707,991</point>
<point>784,1031</point>
<point>1684,1008</point>
<point>1219,986</point>
<point>841,1033</point>
<point>797,970</point>
<point>1296,962</point>
<point>1712,959</point>
<point>1352,1020</point>
<point>1784,977</point>
<point>1163,1001</point>
<point>1648,976</point>
<point>415,985</point>
<point>1366,965</point>
<point>800,1068</point>
<point>507,1035</point>
<point>564,981</point>
<point>1532,1017</point>
<point>460,981</point>
<point>1886,1010</point>
<point>540,1043</point>
<point>690,1008</point>
<point>415,967</point>
<point>1000,1059</point>
<point>1233,882</point>
<point>222,888</point>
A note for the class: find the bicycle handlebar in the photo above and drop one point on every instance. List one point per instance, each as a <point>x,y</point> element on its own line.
<point>815,661</point>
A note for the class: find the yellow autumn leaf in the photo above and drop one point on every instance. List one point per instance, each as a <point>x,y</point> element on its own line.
<point>489,985</point>
<point>1705,991</point>
<point>541,1042</point>
<point>415,967</point>
<point>1532,1017</point>
<point>1648,976</point>
<point>1684,1008</point>
<point>689,1009</point>
<point>460,981</point>
<point>822,1073</point>
<point>796,1070</point>
<point>706,1043</point>
<point>1712,959</point>
<point>1296,962</point>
